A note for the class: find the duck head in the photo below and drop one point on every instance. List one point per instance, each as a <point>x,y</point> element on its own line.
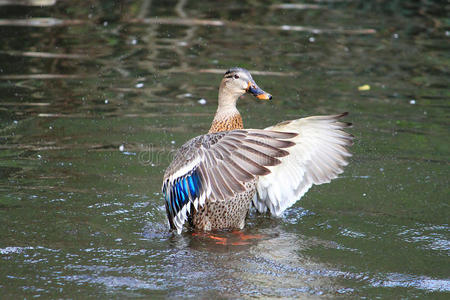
<point>235,83</point>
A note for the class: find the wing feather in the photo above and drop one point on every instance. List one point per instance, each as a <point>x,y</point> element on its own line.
<point>319,155</point>
<point>216,166</point>
<point>241,174</point>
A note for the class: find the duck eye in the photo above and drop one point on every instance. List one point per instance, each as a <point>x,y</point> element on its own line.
<point>236,76</point>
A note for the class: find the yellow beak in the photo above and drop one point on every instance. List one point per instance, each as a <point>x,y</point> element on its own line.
<point>256,91</point>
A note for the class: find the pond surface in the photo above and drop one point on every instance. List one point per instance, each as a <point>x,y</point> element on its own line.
<point>96,96</point>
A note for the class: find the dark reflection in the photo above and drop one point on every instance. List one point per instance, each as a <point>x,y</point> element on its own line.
<point>272,264</point>
<point>6,172</point>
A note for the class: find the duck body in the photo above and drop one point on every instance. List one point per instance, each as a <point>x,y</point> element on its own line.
<point>230,214</point>
<point>215,178</point>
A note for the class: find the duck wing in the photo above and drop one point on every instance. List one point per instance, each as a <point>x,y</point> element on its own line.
<point>318,156</point>
<point>216,166</point>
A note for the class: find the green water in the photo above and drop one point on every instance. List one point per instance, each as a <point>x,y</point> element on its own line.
<point>95,99</point>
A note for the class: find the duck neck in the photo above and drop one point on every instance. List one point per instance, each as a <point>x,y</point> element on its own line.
<point>227,116</point>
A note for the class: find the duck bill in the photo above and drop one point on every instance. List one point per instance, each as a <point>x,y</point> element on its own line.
<point>257,92</point>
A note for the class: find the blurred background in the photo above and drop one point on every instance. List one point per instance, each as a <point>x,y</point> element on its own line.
<point>96,95</point>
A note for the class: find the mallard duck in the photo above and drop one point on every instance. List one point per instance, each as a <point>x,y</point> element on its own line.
<point>215,178</point>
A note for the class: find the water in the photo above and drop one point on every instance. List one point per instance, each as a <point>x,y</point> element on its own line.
<point>95,97</point>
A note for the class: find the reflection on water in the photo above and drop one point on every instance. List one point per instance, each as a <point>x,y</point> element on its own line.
<point>96,98</point>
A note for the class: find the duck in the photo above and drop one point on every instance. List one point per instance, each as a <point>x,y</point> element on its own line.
<point>216,178</point>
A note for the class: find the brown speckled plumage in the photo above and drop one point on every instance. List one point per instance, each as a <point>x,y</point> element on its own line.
<point>231,123</point>
<point>228,214</point>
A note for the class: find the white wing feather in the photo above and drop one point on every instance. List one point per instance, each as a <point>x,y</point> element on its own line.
<point>318,157</point>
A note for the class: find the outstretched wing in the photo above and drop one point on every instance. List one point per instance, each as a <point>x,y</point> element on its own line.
<point>217,165</point>
<point>318,156</point>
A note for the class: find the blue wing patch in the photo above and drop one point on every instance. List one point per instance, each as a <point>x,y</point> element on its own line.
<point>181,192</point>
